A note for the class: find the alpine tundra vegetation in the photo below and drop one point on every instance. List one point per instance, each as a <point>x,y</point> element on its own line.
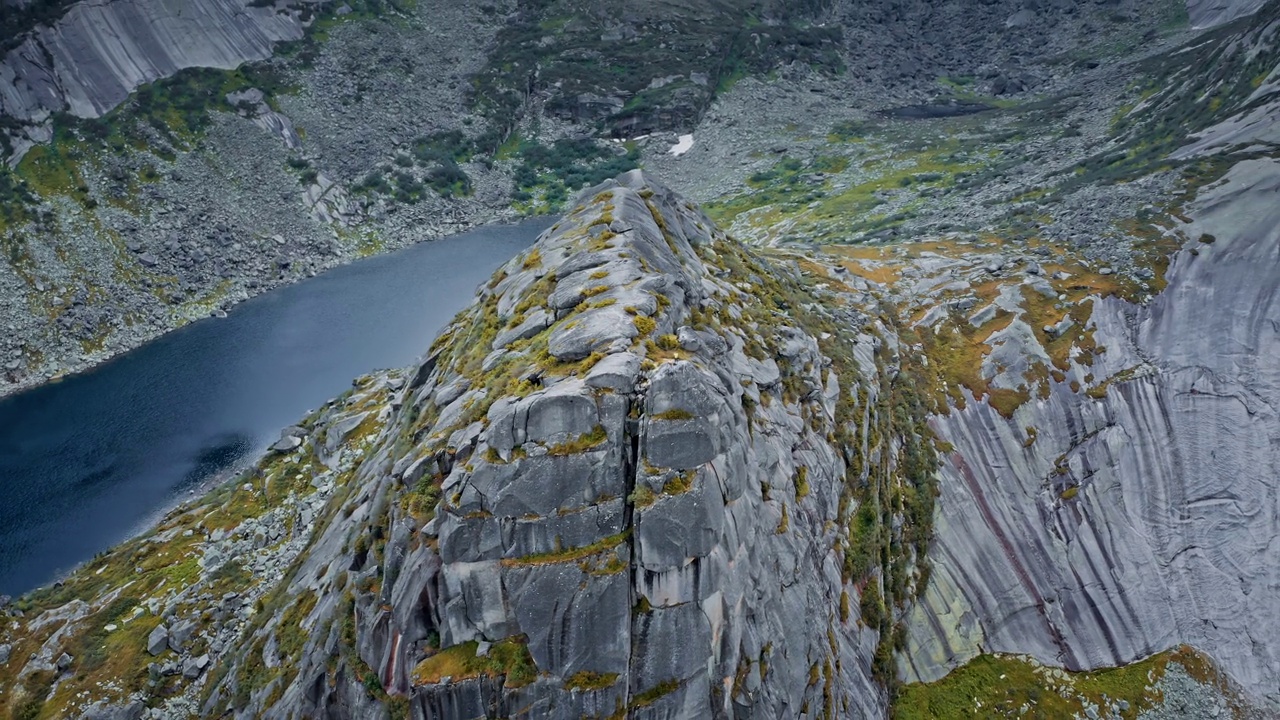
<point>886,359</point>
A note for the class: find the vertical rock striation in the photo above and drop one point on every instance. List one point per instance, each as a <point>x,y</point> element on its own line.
<point>596,498</point>
<point>1209,13</point>
<point>1143,515</point>
<point>89,61</point>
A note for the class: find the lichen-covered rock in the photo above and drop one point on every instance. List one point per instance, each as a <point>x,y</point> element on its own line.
<point>632,525</point>
<point>1141,515</point>
<point>89,61</point>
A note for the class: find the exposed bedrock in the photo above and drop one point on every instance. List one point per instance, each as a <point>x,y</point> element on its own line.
<point>98,52</point>
<point>621,509</point>
<point>1208,13</point>
<point>646,556</point>
<point>1144,518</point>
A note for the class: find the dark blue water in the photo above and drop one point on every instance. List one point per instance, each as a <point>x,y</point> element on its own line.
<point>86,461</point>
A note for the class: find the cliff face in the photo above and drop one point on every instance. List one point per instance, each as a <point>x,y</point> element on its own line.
<point>621,482</point>
<point>98,52</point>
<point>1130,504</point>
<point>650,528</point>
<point>1143,514</point>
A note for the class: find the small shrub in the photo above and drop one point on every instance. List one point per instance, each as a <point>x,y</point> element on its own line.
<point>645,324</point>
<point>668,342</point>
<point>642,496</point>
<point>584,443</point>
<point>588,680</point>
<point>802,482</point>
<point>532,261</point>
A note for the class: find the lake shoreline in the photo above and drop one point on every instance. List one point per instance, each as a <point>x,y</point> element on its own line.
<point>96,457</point>
<point>134,337</point>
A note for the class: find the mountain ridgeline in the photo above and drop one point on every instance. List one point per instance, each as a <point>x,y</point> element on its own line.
<point>652,474</point>
<point>962,403</point>
<point>613,487</point>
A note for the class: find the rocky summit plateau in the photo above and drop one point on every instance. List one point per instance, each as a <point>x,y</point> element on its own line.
<point>885,359</point>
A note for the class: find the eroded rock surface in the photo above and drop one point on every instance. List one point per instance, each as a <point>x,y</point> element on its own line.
<point>651,521</point>
<point>1143,515</point>
<point>98,52</point>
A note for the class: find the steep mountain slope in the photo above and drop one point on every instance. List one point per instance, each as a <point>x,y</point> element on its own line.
<point>1093,527</point>
<point>989,410</point>
<point>384,122</point>
<point>649,474</point>
<point>612,486</point>
<point>98,53</point>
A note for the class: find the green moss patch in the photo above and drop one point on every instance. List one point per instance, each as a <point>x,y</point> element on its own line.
<point>1003,685</point>
<point>509,658</point>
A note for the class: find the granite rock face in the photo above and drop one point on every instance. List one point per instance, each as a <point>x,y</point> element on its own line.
<point>1208,13</point>
<point>630,525</point>
<point>98,52</point>
<point>1143,515</point>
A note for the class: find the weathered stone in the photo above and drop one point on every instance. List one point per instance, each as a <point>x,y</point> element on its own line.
<point>535,322</point>
<point>561,413</point>
<point>287,444</point>
<point>158,640</point>
<point>179,634</point>
<point>616,372</point>
<point>575,620</point>
<point>195,667</point>
<point>590,332</point>
<point>680,527</point>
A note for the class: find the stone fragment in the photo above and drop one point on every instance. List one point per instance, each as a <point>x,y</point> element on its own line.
<point>158,640</point>
<point>287,444</point>
<point>194,667</point>
<point>179,634</point>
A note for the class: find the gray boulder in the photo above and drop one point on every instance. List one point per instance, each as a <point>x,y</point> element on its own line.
<point>287,444</point>
<point>589,332</point>
<point>195,667</point>
<point>158,640</point>
<point>180,634</point>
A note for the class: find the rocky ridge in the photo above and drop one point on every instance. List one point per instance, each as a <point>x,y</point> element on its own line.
<point>608,490</point>
<point>96,54</point>
<point>610,487</point>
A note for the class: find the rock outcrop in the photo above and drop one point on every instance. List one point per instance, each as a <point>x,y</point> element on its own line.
<point>621,482</point>
<point>98,52</point>
<point>1143,515</point>
<point>631,514</point>
<point>1210,13</point>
